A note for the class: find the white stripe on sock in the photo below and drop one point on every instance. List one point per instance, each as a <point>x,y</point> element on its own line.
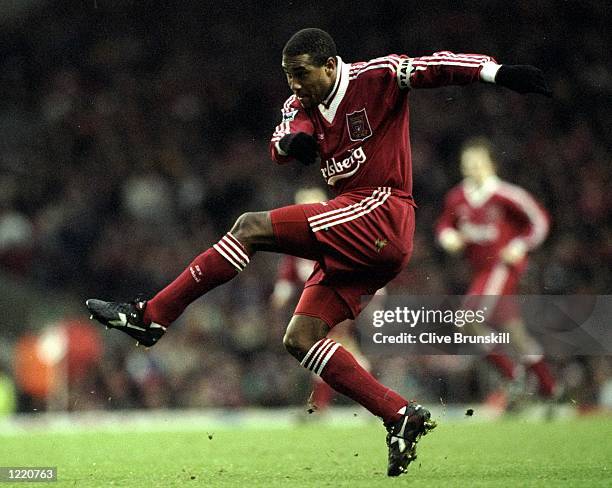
<point>327,358</point>
<point>233,251</point>
<point>230,250</point>
<point>220,250</point>
<point>237,245</point>
<point>316,360</point>
<point>315,357</point>
<point>309,353</point>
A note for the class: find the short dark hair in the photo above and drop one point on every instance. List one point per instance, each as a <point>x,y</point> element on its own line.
<point>316,42</point>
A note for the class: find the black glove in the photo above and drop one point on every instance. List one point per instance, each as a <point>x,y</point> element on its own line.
<point>300,146</point>
<point>522,78</point>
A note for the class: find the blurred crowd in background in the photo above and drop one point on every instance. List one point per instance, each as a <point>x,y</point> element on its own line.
<point>132,134</point>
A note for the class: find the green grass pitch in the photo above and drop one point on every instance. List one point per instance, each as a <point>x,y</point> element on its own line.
<point>460,454</point>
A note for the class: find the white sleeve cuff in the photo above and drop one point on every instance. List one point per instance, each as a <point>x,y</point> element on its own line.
<point>488,71</point>
<point>279,150</point>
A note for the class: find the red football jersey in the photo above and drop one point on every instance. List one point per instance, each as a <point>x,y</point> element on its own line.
<point>490,217</point>
<point>362,127</point>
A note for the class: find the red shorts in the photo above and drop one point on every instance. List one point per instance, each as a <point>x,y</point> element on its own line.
<point>360,241</point>
<point>496,281</point>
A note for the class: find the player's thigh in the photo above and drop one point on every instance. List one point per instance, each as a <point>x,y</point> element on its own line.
<point>499,279</point>
<point>335,301</point>
<point>292,233</point>
<point>324,303</point>
<point>492,290</point>
<point>357,289</point>
<point>319,309</point>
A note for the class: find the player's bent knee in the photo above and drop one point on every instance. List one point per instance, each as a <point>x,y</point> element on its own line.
<point>298,345</point>
<point>302,334</point>
<point>293,345</point>
<point>244,226</point>
<point>253,228</point>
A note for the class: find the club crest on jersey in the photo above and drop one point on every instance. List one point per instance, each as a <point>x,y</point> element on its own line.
<point>358,125</point>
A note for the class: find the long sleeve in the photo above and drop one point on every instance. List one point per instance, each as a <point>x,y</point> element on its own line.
<point>443,68</point>
<point>536,218</point>
<point>294,119</point>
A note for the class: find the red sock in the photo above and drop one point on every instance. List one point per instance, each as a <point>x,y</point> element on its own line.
<point>322,394</point>
<point>210,269</point>
<point>503,363</point>
<point>339,369</point>
<point>545,378</point>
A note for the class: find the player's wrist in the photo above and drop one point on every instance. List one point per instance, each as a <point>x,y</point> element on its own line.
<point>489,71</point>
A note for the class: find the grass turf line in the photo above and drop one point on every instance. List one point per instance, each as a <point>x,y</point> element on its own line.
<point>505,453</point>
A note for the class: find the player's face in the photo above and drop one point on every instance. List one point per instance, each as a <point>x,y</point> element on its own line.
<point>476,164</point>
<point>310,83</point>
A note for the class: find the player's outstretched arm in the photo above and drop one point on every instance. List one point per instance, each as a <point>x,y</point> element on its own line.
<point>446,68</point>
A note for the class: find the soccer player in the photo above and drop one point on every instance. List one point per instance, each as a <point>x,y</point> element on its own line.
<point>353,117</point>
<point>495,224</point>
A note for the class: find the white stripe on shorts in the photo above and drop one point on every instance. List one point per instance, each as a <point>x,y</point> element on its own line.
<point>350,212</point>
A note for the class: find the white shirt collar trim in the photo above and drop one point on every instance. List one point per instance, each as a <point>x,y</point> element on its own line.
<point>477,195</point>
<point>330,105</point>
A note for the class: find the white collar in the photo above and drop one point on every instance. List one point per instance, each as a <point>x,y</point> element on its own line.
<point>477,195</point>
<point>329,106</point>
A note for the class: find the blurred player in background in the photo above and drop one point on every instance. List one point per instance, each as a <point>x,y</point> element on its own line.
<point>293,272</point>
<point>495,225</point>
<point>353,118</point>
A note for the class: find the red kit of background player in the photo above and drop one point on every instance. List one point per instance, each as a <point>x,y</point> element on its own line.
<point>496,224</point>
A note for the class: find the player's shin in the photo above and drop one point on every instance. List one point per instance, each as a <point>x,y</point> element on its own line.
<point>339,369</point>
<point>210,269</point>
